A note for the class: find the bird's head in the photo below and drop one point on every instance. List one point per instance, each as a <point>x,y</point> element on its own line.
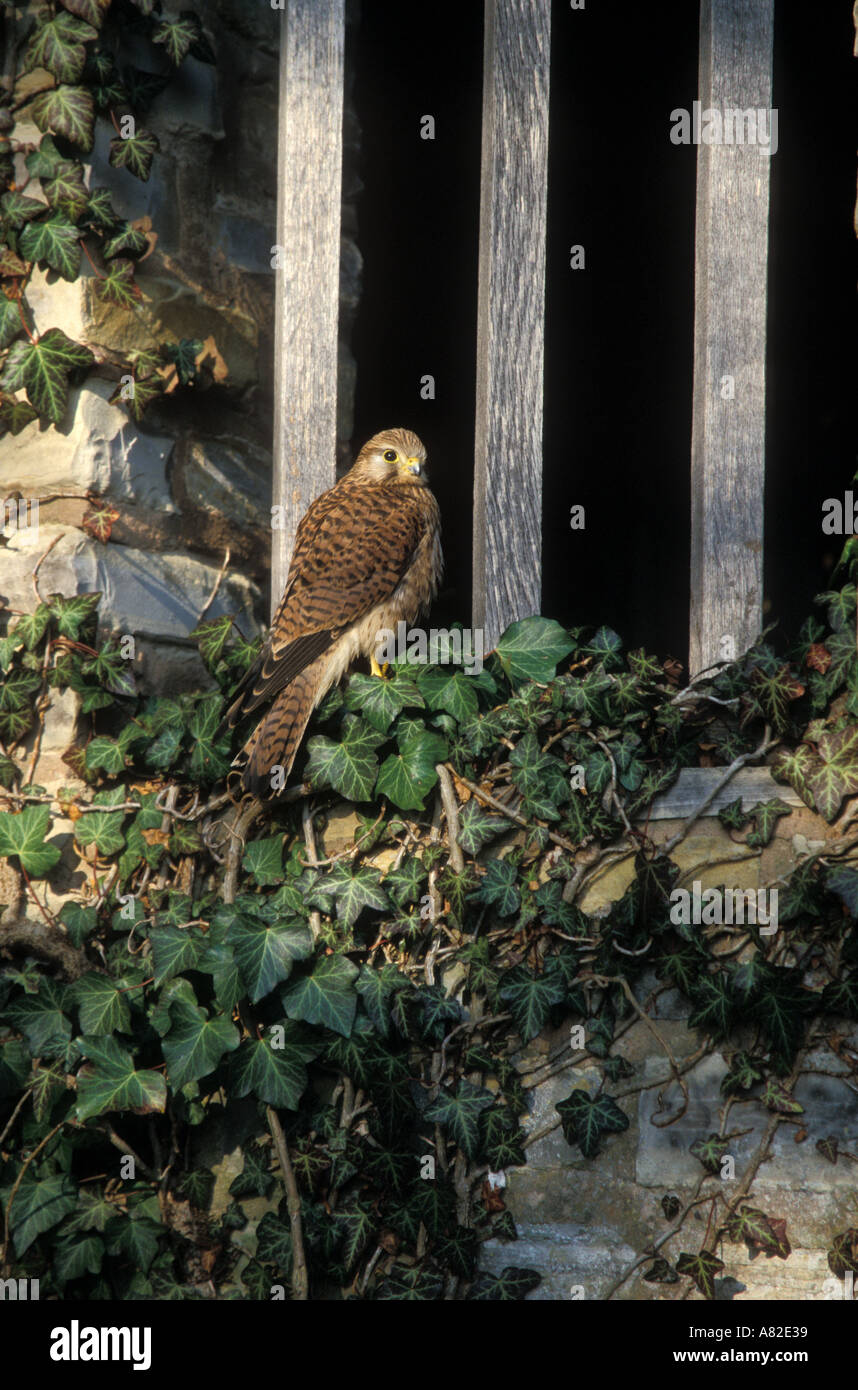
<point>392,456</point>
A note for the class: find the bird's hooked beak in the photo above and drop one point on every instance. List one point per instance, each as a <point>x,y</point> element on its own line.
<point>414,466</point>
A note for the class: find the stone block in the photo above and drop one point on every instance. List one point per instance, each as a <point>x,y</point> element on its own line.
<point>224,491</point>
<point>98,448</point>
<point>830,1108</point>
<point>569,1256</point>
<point>155,596</point>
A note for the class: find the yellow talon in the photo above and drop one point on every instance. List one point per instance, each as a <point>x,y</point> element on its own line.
<point>377,670</point>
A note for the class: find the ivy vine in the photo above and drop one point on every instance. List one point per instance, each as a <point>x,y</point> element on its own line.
<point>363,1020</point>
<point>77,66</point>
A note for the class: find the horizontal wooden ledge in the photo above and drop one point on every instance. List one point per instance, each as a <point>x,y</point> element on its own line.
<point>693,784</point>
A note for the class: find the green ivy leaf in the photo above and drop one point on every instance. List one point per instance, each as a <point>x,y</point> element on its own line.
<point>209,756</point>
<point>843,1255</point>
<point>73,615</point>
<point>195,1043</point>
<point>42,1020</point>
<point>840,997</point>
<point>102,1007</point>
<point>380,701</point>
<point>454,692</point>
<point>702,1268</point>
<point>556,912</point>
<point>512,1285</point>
<point>349,767</point>
<point>23,834</point>
<point>265,954</point>
<point>67,111</point>
<point>263,859</point>
<point>16,415</point>
<point>42,162</point>
<point>377,988</point>
<point>781,1011</point>
<point>184,357</point>
<point>92,11</point>
<point>765,816</point>
<point>771,691</point>
<point>276,1076</point>
<point>211,638</point>
<point>47,365</point>
<point>59,46</point>
<point>796,766</point>
<point>835,774</point>
<point>501,1139</point>
<point>408,776</point>
<point>499,887</point>
<point>709,1152</point>
<point>776,1097</point>
<point>410,1286</point>
<point>136,1238</point>
<point>118,285</point>
<point>255,1179</point>
<point>16,210</point>
<point>177,35</point>
<point>100,212</point>
<point>405,884</point>
<point>732,817</point>
<point>175,950</point>
<point>586,1118</point>
<point>10,321</point>
<point>113,1084</point>
<point>714,1005</point>
<point>134,153</point>
<point>274,1243</point>
<point>39,1205</point>
<point>326,996</point>
<point>532,648</point>
<point>477,828</point>
<point>75,1258</point>
<point>102,829</point>
<point>55,240</point>
<point>353,890</point>
<point>14,1067</point>
<point>460,1112</point>
<point>79,922</point>
<point>105,753</point>
<point>124,237</point>
<point>530,998</point>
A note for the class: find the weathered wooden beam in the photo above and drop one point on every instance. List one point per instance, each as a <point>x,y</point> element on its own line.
<point>507,575</point>
<point>309,162</point>
<point>728,429</point>
<point>693,785</point>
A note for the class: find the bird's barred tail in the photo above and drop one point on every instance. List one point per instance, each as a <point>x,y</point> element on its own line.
<point>275,742</point>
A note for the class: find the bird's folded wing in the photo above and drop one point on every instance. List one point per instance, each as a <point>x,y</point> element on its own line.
<point>351,550</point>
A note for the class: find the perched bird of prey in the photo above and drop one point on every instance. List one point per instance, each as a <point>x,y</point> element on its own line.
<point>367,555</point>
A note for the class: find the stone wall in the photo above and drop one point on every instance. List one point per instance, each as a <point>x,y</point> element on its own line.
<point>194,480</point>
<point>583,1222</point>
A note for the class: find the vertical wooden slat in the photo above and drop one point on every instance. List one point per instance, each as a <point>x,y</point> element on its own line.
<point>510,315</point>
<point>728,435</point>
<point>309,162</point>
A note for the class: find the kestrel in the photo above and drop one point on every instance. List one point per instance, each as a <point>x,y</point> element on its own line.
<point>367,555</point>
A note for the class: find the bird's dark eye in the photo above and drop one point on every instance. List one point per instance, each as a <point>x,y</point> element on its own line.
<point>390,456</point>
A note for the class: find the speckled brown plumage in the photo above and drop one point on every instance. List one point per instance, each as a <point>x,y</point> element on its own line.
<point>367,555</point>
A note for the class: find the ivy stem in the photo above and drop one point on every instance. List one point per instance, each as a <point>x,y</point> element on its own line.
<point>300,1283</point>
<point>85,249</point>
<point>49,918</point>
